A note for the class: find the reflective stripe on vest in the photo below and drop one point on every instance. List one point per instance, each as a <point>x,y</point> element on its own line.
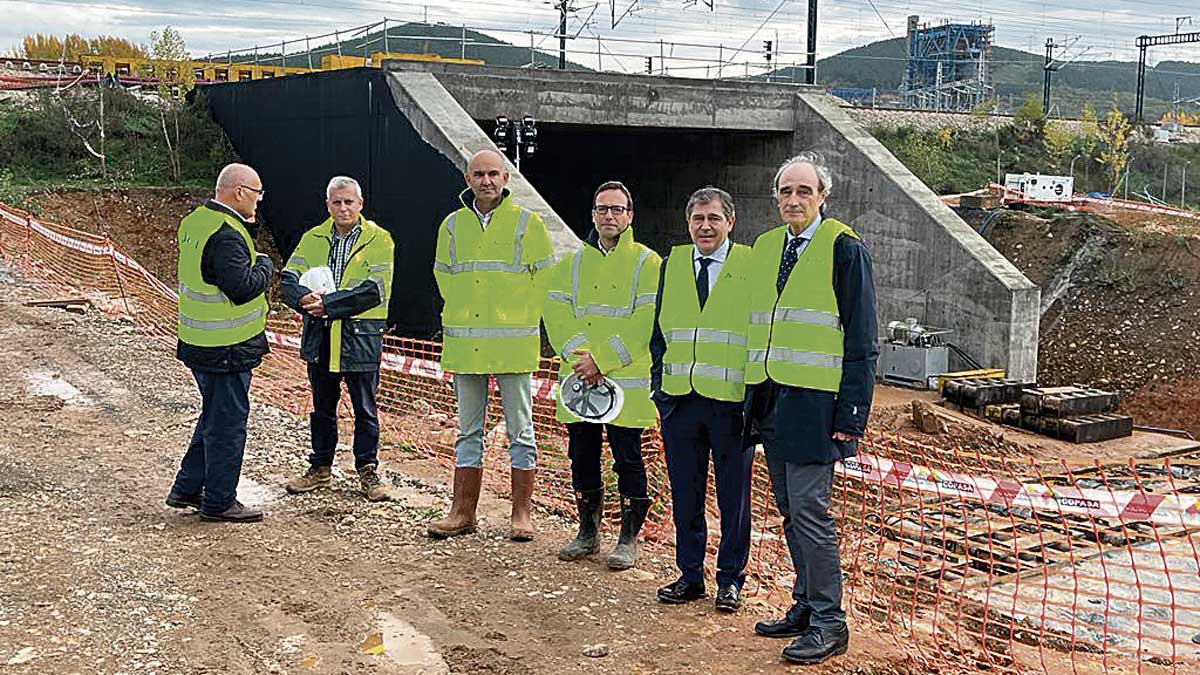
<point>369,260</point>
<point>206,317</point>
<point>795,336</point>
<point>706,349</point>
<point>611,311</point>
<point>453,331</point>
<point>456,267</point>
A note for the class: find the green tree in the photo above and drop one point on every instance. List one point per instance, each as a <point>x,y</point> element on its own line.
<point>1058,142</point>
<point>175,79</point>
<point>1030,118</point>
<point>1089,129</point>
<point>926,159</point>
<point>1114,137</point>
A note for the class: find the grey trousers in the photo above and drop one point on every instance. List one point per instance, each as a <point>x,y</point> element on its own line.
<point>801,494</point>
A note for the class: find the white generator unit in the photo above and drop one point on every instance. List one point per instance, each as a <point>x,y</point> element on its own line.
<point>1037,187</point>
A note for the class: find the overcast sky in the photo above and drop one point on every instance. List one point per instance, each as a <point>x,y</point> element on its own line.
<point>219,25</point>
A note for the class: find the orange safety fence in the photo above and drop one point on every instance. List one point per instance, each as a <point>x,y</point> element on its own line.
<point>966,557</point>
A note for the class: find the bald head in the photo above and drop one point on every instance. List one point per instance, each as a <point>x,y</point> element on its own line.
<point>240,188</point>
<point>486,176</point>
<point>486,155</point>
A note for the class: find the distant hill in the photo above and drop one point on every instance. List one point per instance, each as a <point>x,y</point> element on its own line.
<point>440,39</point>
<point>1017,74</point>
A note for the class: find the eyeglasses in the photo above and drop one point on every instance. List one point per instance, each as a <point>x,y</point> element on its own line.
<point>602,209</point>
<point>261,192</point>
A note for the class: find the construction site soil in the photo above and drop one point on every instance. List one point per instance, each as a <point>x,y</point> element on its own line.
<point>330,581</point>
<point>97,575</point>
<point>1120,307</point>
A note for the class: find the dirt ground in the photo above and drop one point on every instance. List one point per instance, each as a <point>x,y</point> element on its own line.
<point>99,576</point>
<point>1121,308</point>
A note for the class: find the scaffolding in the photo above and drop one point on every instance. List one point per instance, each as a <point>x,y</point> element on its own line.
<point>947,67</point>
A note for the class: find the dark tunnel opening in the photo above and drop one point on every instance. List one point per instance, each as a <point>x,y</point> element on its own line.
<point>661,167</point>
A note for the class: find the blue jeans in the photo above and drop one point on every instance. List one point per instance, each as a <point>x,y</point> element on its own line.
<point>213,461</point>
<point>326,393</point>
<point>517,401</point>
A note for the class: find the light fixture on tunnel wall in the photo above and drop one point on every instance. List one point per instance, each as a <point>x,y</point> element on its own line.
<point>516,139</point>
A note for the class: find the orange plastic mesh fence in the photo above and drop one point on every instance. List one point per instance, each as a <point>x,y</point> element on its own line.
<point>964,558</point>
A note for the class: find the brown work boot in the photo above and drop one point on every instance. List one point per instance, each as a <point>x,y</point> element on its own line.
<point>522,511</point>
<point>461,519</point>
<point>373,489</point>
<point>315,477</point>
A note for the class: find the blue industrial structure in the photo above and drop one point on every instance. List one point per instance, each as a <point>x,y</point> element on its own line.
<point>947,66</point>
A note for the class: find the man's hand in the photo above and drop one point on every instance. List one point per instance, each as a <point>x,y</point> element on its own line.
<point>839,436</point>
<point>313,303</point>
<point>585,368</point>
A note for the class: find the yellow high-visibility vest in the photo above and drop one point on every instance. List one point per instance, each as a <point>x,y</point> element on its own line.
<point>207,318</point>
<point>371,259</point>
<point>488,279</point>
<point>795,337</point>
<point>605,304</point>
<point>706,349</point>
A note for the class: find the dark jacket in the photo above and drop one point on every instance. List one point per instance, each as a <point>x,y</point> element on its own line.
<point>362,339</point>
<point>225,263</point>
<point>807,418</point>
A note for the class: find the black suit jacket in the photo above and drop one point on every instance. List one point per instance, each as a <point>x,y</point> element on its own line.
<point>806,419</point>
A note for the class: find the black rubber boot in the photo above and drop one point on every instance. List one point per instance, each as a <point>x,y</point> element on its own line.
<point>591,505</point>
<point>633,515</point>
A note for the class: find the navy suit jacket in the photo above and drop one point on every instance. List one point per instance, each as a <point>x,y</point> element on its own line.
<point>806,419</point>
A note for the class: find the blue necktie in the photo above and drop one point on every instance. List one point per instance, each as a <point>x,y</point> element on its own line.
<point>789,261</point>
<point>702,281</point>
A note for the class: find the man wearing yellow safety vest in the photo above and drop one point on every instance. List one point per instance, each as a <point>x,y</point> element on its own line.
<point>488,260</point>
<point>222,317</point>
<point>699,350</point>
<point>342,338</point>
<point>811,363</point>
<point>599,314</point>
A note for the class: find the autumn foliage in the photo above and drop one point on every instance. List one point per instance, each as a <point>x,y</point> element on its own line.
<point>70,48</point>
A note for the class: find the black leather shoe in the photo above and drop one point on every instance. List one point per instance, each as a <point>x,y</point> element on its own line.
<point>817,645</point>
<point>793,624</point>
<point>176,500</point>
<point>681,592</point>
<point>729,598</point>
<point>236,513</point>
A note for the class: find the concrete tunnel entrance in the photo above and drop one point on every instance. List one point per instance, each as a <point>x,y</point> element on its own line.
<point>573,160</point>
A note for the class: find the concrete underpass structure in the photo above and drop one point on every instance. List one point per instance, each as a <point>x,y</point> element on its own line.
<point>665,137</point>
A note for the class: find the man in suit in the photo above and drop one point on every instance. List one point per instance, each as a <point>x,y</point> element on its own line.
<point>697,376</point>
<point>811,363</point>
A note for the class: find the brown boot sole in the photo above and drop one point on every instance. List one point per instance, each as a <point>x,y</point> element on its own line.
<point>437,533</point>
<point>292,490</point>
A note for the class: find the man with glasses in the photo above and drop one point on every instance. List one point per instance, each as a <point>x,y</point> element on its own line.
<point>810,373</point>
<point>342,340</point>
<point>222,318</point>
<point>599,314</point>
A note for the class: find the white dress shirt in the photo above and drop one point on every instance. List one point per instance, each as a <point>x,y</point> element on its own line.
<point>806,236</point>
<point>714,267</point>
